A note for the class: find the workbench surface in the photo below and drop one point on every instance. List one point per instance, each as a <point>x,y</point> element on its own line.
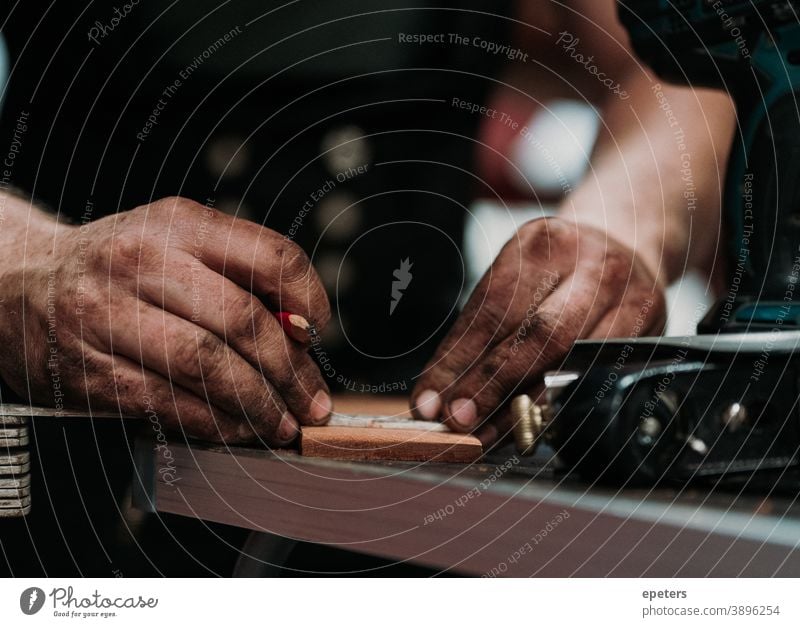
<point>493,518</point>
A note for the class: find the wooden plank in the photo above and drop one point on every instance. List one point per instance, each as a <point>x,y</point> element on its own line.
<point>370,444</point>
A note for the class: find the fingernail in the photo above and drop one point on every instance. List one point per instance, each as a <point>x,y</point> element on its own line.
<point>464,412</point>
<point>429,404</point>
<point>288,429</point>
<point>246,432</point>
<point>321,406</point>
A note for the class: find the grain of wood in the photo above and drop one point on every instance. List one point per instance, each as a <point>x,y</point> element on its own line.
<point>370,444</point>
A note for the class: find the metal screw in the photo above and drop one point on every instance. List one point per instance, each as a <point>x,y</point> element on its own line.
<point>529,419</point>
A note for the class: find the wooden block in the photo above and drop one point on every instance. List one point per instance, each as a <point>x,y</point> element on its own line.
<point>396,406</point>
<point>15,493</point>
<point>369,444</point>
<point>14,482</point>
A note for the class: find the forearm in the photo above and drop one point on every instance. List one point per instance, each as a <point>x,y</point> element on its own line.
<point>657,174</point>
<point>24,228</point>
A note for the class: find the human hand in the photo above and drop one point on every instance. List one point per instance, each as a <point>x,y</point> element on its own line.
<point>153,310</point>
<point>555,282</point>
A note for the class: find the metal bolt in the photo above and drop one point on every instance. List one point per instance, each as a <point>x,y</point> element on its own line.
<point>529,421</point>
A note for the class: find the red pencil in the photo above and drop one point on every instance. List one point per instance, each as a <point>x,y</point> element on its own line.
<point>296,326</point>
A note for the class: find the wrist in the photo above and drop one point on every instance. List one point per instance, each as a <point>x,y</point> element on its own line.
<point>26,231</point>
<point>656,244</point>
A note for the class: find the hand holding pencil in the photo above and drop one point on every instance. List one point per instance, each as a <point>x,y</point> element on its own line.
<point>164,322</point>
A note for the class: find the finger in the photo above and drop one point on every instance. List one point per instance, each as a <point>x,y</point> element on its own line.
<point>256,258</point>
<point>242,321</point>
<point>204,365</point>
<point>493,433</point>
<point>571,312</point>
<point>137,391</point>
<point>512,289</point>
<point>488,435</point>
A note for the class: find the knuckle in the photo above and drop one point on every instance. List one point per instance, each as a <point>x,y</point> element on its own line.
<point>130,252</point>
<point>127,251</point>
<point>286,379</point>
<point>91,305</point>
<point>177,205</point>
<point>294,263</point>
<point>321,308</point>
<point>305,380</point>
<point>617,265</point>
<point>188,221</point>
<point>541,328</point>
<point>242,316</point>
<point>544,232</point>
<point>272,404</point>
<point>492,314</point>
<point>545,324</point>
<point>197,360</point>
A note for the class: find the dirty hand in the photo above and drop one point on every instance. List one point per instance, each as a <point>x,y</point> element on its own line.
<point>151,312</point>
<point>555,282</point>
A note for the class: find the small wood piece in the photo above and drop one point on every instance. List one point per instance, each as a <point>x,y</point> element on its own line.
<point>13,458</point>
<point>369,444</point>
<point>16,431</point>
<point>15,493</point>
<point>14,482</point>
<point>14,442</point>
<point>15,470</point>
<point>16,512</point>
<point>15,503</point>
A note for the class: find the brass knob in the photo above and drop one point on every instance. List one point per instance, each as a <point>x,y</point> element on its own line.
<point>529,422</point>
